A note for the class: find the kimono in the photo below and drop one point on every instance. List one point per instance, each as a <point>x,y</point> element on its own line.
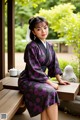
<point>38,95</point>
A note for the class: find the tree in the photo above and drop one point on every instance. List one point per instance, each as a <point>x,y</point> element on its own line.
<point>22,14</point>
<point>24,9</point>
<point>27,8</point>
<point>74,2</point>
<point>66,23</point>
<point>34,3</point>
<point>49,4</point>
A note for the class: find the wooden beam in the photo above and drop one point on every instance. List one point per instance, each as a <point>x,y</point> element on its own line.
<point>11,38</point>
<point>2,39</point>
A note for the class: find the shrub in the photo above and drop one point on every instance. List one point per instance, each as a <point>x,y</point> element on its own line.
<point>20,35</point>
<point>20,46</point>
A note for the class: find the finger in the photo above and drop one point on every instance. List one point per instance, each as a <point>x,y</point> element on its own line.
<point>67,83</point>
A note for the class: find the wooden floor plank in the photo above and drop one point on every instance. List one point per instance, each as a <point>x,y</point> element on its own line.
<point>10,83</point>
<point>3,93</point>
<point>10,102</point>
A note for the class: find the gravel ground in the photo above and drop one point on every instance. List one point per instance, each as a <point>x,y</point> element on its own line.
<point>19,62</point>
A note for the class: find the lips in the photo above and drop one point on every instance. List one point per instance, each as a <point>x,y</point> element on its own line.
<point>44,35</point>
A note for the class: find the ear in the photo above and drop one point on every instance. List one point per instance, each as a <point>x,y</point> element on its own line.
<point>33,32</point>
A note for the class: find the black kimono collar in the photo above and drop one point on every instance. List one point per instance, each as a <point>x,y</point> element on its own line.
<point>39,42</point>
<point>45,49</point>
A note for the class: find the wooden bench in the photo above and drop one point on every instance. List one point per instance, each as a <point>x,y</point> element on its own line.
<point>65,92</point>
<point>11,99</point>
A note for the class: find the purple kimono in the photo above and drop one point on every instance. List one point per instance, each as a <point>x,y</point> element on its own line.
<point>38,95</point>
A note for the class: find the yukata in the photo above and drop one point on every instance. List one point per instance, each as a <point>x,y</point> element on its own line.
<point>38,95</point>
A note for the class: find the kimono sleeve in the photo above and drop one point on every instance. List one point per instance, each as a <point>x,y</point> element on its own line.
<point>34,67</point>
<point>54,68</point>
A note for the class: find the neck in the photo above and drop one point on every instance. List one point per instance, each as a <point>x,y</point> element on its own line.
<point>43,40</point>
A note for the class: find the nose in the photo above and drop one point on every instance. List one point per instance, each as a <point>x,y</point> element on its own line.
<point>43,30</point>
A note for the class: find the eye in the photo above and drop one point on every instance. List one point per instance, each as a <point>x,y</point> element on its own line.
<point>38,29</point>
<point>45,27</point>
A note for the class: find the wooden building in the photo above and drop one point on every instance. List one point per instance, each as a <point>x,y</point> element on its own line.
<point>60,46</point>
<point>11,41</point>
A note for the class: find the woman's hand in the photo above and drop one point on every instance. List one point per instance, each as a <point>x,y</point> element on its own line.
<point>54,85</point>
<point>62,82</point>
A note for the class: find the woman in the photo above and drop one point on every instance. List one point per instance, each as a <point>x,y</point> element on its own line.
<point>39,92</point>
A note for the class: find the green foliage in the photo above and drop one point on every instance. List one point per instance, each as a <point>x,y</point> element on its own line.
<point>21,31</point>
<point>73,33</point>
<point>66,23</point>
<point>74,2</point>
<point>52,34</point>
<point>22,14</point>
<point>47,5</point>
<point>20,46</point>
<point>20,35</point>
<point>55,14</point>
<point>27,2</point>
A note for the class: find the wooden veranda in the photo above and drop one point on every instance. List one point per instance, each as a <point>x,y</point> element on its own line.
<point>11,39</point>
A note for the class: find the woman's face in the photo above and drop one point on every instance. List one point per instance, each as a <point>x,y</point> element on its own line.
<point>41,31</point>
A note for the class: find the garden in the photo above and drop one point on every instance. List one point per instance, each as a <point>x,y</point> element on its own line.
<point>64,22</point>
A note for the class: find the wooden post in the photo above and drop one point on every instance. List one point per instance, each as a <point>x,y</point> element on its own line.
<point>2,39</point>
<point>11,38</point>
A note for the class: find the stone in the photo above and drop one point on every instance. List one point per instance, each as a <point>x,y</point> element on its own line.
<point>72,107</point>
<point>69,74</point>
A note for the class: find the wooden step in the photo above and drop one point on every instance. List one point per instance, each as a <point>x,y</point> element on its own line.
<point>1,85</point>
<point>10,101</point>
